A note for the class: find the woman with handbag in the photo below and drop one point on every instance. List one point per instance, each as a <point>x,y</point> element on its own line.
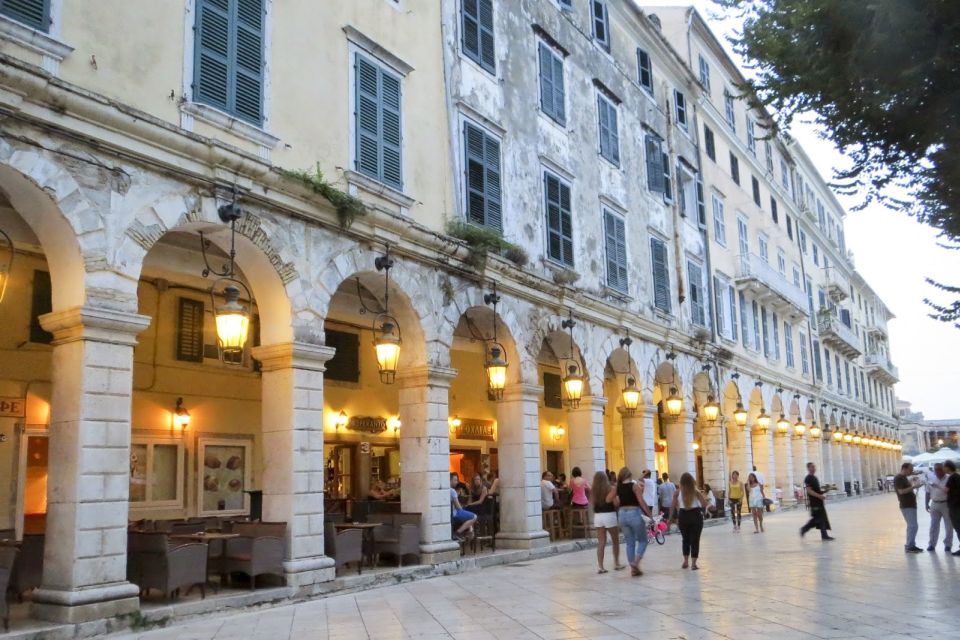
<point>755,501</point>
<point>632,510</point>
<point>688,506</point>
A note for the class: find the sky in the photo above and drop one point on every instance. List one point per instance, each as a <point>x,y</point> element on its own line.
<point>895,254</point>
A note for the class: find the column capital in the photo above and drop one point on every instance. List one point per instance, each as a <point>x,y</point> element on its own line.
<point>522,391</point>
<point>293,355</point>
<point>426,375</point>
<point>94,323</point>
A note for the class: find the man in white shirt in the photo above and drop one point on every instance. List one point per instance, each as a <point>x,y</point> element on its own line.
<point>548,491</point>
<point>665,493</point>
<point>649,489</point>
<point>935,500</point>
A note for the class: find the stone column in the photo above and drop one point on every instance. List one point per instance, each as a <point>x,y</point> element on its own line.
<point>680,454</point>
<point>739,450</point>
<point>764,460</point>
<point>638,439</point>
<point>783,454</point>
<point>585,436</point>
<point>293,464</point>
<point>518,452</point>
<point>828,471</point>
<point>85,558</point>
<point>814,451</point>
<point>848,470</point>
<point>712,452</point>
<point>799,460</point>
<point>425,458</point>
<point>838,463</point>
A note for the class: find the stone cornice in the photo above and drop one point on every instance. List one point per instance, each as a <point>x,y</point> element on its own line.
<point>426,376</point>
<point>293,355</point>
<point>95,324</point>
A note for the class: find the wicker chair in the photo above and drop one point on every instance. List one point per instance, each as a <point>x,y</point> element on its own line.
<point>343,546</point>
<point>403,540</point>
<point>169,569</point>
<point>7,558</point>
<point>28,569</point>
<point>253,554</point>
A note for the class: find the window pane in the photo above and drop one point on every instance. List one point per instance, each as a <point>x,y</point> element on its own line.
<point>138,473</point>
<point>164,472</point>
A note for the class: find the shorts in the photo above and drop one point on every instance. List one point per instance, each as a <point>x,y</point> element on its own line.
<point>460,516</point>
<point>605,520</point>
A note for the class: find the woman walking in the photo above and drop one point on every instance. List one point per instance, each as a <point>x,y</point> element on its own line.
<point>735,495</point>
<point>755,501</point>
<point>578,490</point>
<point>603,495</point>
<point>688,506</point>
<point>632,509</point>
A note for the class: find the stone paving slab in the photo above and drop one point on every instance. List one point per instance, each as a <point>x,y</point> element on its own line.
<point>751,586</point>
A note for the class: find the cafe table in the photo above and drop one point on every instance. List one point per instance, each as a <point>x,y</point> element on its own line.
<point>367,528</point>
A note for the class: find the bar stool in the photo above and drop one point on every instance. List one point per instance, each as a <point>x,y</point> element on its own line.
<point>553,524</point>
<point>579,521</point>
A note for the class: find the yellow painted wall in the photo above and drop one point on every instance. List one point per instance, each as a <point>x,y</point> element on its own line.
<point>553,417</point>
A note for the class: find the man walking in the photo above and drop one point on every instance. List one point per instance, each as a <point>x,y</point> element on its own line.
<point>953,496</point>
<point>649,490</point>
<point>665,494</point>
<point>905,486</point>
<point>935,502</point>
<point>815,498</point>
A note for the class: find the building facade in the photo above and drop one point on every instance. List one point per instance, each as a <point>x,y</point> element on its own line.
<point>584,245</point>
<point>920,435</point>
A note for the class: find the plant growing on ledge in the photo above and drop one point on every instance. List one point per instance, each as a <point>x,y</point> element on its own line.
<point>482,241</point>
<point>348,207</point>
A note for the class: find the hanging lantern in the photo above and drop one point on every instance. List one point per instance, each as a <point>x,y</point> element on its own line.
<point>815,430</point>
<point>711,410</point>
<point>837,434</point>
<point>496,368</point>
<point>847,437</point>
<point>631,396</point>
<point>763,420</point>
<point>573,386</point>
<point>799,428</point>
<point>233,323</point>
<point>740,415</point>
<point>674,403</point>
<point>783,425</point>
<point>857,439</point>
<point>386,329</point>
<point>7,265</point>
<point>181,417</point>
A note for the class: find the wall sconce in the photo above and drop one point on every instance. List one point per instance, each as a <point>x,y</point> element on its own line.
<point>696,446</point>
<point>342,420</point>
<point>394,423</point>
<point>181,417</point>
<point>454,422</point>
<point>557,432</point>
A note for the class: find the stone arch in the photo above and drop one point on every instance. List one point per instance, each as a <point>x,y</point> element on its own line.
<point>701,388</point>
<point>552,342</point>
<point>48,199</point>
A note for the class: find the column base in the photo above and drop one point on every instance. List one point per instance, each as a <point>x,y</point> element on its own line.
<point>523,539</point>
<point>302,574</point>
<point>438,552</point>
<point>83,605</point>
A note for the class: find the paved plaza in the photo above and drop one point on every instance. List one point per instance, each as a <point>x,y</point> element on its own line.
<point>750,587</point>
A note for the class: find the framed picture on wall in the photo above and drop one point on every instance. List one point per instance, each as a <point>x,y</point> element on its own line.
<point>156,472</point>
<point>224,473</point>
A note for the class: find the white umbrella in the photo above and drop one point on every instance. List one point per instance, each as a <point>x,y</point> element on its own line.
<point>921,458</point>
<point>944,454</point>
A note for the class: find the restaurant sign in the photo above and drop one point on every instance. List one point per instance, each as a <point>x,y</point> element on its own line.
<point>475,430</point>
<point>12,407</point>
<point>367,424</point>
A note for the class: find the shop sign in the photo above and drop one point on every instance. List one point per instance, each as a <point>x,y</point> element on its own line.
<point>475,430</point>
<point>367,424</point>
<point>12,407</point>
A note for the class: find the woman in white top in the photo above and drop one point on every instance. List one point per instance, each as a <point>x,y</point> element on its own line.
<point>755,501</point>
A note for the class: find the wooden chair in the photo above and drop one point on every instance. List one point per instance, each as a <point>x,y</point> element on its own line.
<point>553,523</point>
<point>579,522</point>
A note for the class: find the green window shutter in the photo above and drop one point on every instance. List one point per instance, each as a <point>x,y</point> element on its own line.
<point>482,167</point>
<point>190,319</point>
<point>42,303</point>
<point>559,220</point>
<point>559,93</point>
<point>701,208</point>
<point>719,320</point>
<point>390,126</point>
<point>478,38</point>
<point>33,13</point>
<point>654,159</point>
<point>377,123</point>
<point>744,321</point>
<point>733,312</point>
<point>616,251</point>
<point>552,397</point>
<point>697,311</point>
<point>609,138</point>
<point>661,275</point>
<point>345,364</point>
<point>228,66</point>
<point>551,84</point>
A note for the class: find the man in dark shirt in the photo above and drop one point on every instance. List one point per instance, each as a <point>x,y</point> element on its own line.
<point>815,498</point>
<point>905,486</point>
<point>953,496</point>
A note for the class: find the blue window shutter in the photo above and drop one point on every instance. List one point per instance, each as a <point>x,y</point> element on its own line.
<point>478,39</point>
<point>614,133</point>
<point>695,276</point>
<point>604,127</point>
<point>248,69</point>
<point>654,164</point>
<point>482,177</point>
<point>559,220</point>
<point>661,275</point>
<point>616,251</point>
<point>733,311</point>
<point>546,80</point>
<point>701,208</point>
<point>491,165</point>
<point>213,64</point>
<point>33,13</point>
<point>392,173</point>
<point>744,320</point>
<point>718,307</point>
<point>559,94</point>
<point>367,106</point>
<point>667,185</point>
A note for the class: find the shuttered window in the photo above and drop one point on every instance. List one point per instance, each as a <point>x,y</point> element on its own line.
<point>552,397</point>
<point>645,70</point>
<point>559,219</point>
<point>775,328</point>
<point>654,157</point>
<point>697,304</point>
<point>701,207</point>
<point>744,321</point>
<point>551,84</point>
<point>478,40</point>
<point>788,344</point>
<point>33,13</point>
<point>377,122</point>
<point>719,308</point>
<point>228,71</point>
<point>482,166</point>
<point>616,250</point>
<point>661,275</point>
<point>190,330</point>
<point>40,304</point>
<point>609,133</point>
<point>734,168</point>
<point>345,363</point>
<point>601,22</point>
<point>709,143</point>
<point>732,293</point>
<point>680,108</point>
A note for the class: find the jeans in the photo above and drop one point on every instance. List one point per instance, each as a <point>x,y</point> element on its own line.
<point>735,511</point>
<point>938,512</point>
<point>690,523</point>
<point>910,516</point>
<point>634,534</point>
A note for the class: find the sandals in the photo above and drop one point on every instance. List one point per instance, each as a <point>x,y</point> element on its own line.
<point>601,570</point>
<point>619,567</point>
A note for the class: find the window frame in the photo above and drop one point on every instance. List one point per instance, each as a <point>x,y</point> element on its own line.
<point>648,69</point>
<point>608,106</point>
<point>696,290</point>
<point>719,221</point>
<point>704,72</point>
<point>735,168</point>
<point>560,117</point>
<point>383,69</point>
<point>151,442</point>
<point>680,109</point>
<point>609,215</point>
<point>709,142</point>
<point>562,183</point>
<point>666,306</point>
<point>477,58</point>
<point>487,134</point>
<point>730,111</point>
<point>605,19</point>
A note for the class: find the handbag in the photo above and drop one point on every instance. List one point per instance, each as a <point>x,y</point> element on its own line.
<point>767,502</point>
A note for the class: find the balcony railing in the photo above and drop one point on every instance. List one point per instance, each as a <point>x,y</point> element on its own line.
<point>838,335</point>
<point>836,285</point>
<point>877,328</point>
<point>771,287</point>
<point>877,364</point>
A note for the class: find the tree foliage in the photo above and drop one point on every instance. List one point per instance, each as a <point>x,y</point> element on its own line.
<point>882,80</point>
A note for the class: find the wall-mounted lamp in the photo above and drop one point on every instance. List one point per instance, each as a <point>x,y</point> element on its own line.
<point>181,417</point>
<point>394,423</point>
<point>454,423</point>
<point>557,432</point>
<point>342,420</point>
<point>696,446</point>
